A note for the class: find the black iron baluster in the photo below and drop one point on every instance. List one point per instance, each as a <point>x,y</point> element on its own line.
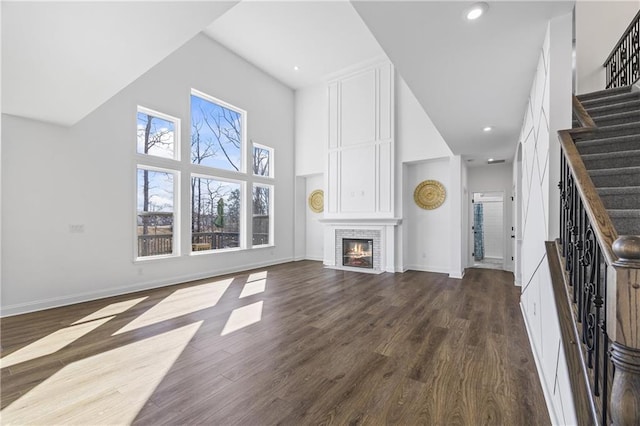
<point>589,324</point>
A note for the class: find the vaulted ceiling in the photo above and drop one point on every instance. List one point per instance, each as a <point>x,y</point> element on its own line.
<point>61,60</point>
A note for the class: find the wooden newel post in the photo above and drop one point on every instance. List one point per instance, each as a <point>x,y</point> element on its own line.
<point>623,328</point>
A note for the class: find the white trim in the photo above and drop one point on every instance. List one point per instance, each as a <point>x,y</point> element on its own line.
<point>358,223</point>
<point>427,268</point>
<point>351,269</point>
<point>176,132</point>
<point>271,151</point>
<point>243,114</point>
<point>548,396</point>
<point>241,219</point>
<point>175,243</point>
<point>271,189</point>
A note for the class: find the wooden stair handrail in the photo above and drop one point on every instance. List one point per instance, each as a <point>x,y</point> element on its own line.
<point>603,226</point>
<point>622,256</point>
<point>582,115</point>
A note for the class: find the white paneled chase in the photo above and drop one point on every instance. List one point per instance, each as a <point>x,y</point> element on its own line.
<point>537,300</point>
<point>360,163</point>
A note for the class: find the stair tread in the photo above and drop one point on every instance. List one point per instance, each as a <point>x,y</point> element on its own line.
<point>612,98</point>
<point>616,171</point>
<point>624,213</point>
<point>619,115</point>
<point>611,140</point>
<point>623,126</point>
<point>604,93</point>
<point>619,190</point>
<point>611,154</point>
<point>630,104</point>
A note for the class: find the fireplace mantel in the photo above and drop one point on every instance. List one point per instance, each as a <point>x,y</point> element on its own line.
<point>381,230</point>
<point>361,222</point>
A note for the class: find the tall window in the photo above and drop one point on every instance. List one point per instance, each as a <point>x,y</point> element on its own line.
<point>262,224</point>
<point>157,141</point>
<point>230,191</point>
<point>217,150</point>
<point>156,218</point>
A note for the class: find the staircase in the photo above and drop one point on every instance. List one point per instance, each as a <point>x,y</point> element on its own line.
<point>611,153</point>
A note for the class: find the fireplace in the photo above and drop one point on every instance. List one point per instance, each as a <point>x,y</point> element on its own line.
<point>357,252</point>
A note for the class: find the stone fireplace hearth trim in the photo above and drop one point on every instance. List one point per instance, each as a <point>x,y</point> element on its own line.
<point>385,226</point>
<point>367,234</point>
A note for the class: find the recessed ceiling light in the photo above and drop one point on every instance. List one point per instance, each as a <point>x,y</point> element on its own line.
<point>487,129</point>
<point>296,68</point>
<point>476,10</point>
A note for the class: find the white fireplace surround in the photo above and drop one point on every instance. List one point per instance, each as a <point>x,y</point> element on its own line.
<point>382,231</point>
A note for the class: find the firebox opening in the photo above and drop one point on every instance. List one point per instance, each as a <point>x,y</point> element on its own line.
<point>357,253</point>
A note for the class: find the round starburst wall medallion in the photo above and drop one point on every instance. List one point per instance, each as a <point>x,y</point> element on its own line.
<point>316,201</point>
<point>429,194</point>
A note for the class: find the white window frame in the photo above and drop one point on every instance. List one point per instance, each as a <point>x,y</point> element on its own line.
<point>175,244</point>
<point>242,234</point>
<point>176,136</point>
<point>243,143</point>
<point>271,160</point>
<point>271,242</point>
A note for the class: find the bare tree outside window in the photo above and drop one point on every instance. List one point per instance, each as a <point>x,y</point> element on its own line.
<point>155,212</point>
<point>261,214</point>
<point>220,135</point>
<point>261,157</point>
<point>215,218</point>
<point>155,137</point>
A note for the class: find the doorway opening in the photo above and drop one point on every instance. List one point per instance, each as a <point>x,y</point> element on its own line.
<point>487,240</point>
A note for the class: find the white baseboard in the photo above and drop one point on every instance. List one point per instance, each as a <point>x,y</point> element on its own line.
<point>548,396</point>
<point>55,302</point>
<point>315,258</point>
<point>427,268</point>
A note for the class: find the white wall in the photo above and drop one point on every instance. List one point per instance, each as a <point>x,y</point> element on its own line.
<point>537,300</point>
<point>55,177</point>
<point>428,236</point>
<point>300,224</point>
<point>456,184</point>
<point>493,178</point>
<point>417,139</point>
<point>314,229</point>
<point>599,26</point>
<point>311,122</point>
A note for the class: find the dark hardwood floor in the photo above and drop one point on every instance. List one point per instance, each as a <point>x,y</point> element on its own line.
<point>291,344</point>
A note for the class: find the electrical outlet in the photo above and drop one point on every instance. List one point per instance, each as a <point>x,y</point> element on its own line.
<point>76,229</point>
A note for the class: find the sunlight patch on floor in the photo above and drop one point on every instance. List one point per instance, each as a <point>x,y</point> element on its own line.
<point>262,275</point>
<point>253,287</point>
<point>51,343</point>
<point>112,309</point>
<point>181,302</point>
<point>243,317</point>
<point>108,388</point>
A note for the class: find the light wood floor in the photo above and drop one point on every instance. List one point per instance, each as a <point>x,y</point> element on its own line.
<point>291,344</point>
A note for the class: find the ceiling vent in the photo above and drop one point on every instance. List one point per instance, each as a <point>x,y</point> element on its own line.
<point>492,161</point>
